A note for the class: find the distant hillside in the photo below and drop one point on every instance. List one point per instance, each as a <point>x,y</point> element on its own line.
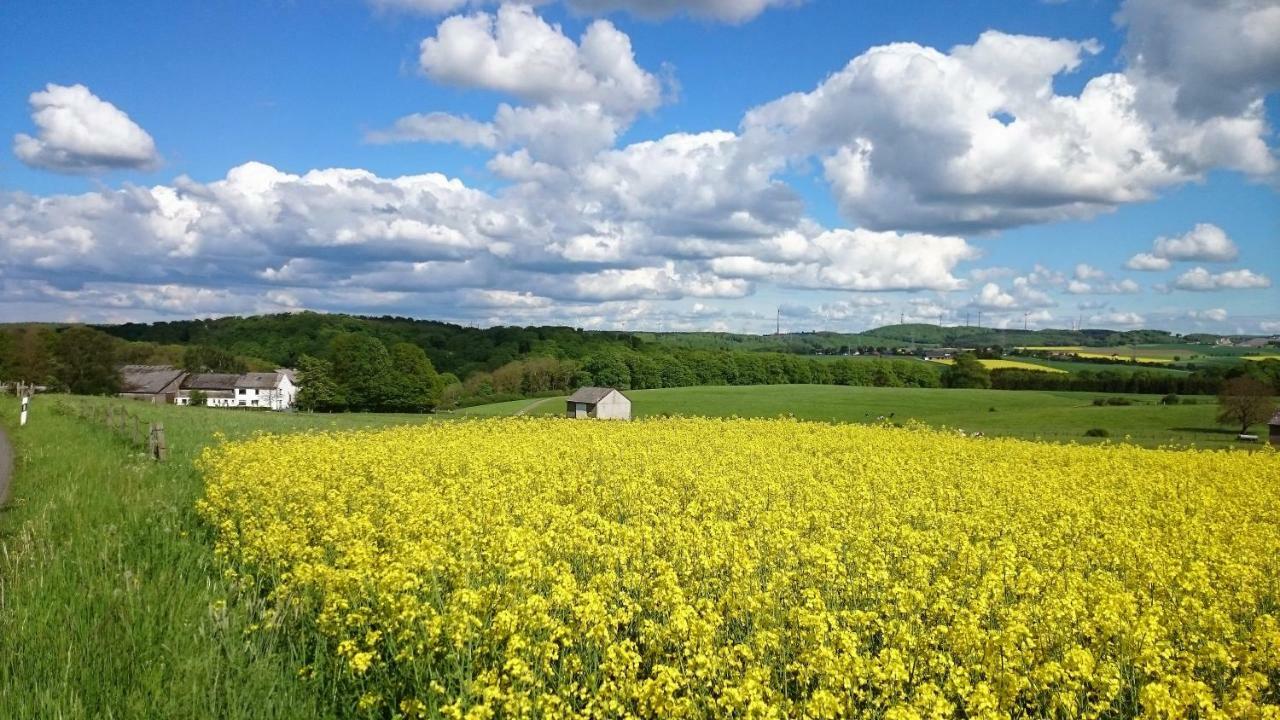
<point>981,337</point>
<point>283,338</point>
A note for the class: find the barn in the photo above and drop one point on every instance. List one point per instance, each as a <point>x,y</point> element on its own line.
<point>153,383</point>
<point>599,402</point>
<point>1275,429</point>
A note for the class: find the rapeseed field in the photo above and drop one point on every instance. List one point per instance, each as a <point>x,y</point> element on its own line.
<point>758,568</point>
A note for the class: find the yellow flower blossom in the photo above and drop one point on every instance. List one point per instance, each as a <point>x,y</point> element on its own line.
<point>694,568</point>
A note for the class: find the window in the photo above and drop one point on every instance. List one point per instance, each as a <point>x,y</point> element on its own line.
<point>239,391</point>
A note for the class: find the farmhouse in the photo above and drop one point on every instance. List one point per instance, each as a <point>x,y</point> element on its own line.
<point>157,384</point>
<point>165,384</point>
<point>599,402</point>
<point>218,389</point>
<point>273,390</point>
<point>1275,429</point>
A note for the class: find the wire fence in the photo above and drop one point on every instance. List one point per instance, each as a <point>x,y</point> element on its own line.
<point>126,425</point>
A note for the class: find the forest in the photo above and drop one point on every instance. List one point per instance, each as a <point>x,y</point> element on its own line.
<point>395,363</point>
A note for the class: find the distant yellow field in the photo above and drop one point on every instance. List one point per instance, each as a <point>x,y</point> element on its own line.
<point>1116,353</point>
<point>1258,358</point>
<point>1009,364</point>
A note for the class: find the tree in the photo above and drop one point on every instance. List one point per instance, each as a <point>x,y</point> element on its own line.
<point>362,369</point>
<point>1245,401</point>
<point>85,361</point>
<point>966,372</point>
<point>198,398</point>
<point>206,359</point>
<point>317,389</point>
<point>31,356</point>
<point>417,386</point>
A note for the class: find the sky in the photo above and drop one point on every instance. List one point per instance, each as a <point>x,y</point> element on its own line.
<point>725,165</point>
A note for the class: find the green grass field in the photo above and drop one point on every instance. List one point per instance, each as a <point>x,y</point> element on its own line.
<point>111,603</point>
<point>1055,416</point>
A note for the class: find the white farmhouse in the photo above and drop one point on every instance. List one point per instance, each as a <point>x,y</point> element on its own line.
<point>599,402</point>
<point>274,390</point>
<point>218,389</point>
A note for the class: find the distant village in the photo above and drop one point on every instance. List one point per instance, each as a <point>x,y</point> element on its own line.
<point>167,385</point>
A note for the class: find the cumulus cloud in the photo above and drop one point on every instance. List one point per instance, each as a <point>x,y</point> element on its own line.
<point>860,260</point>
<point>1219,56</point>
<point>733,11</point>
<point>519,53</point>
<point>1201,280</point>
<point>1118,317</point>
<point>1021,295</point>
<point>977,139</point>
<point>1148,263</point>
<point>580,96</point>
<point>1212,314</point>
<point>1203,243</point>
<point>78,132</point>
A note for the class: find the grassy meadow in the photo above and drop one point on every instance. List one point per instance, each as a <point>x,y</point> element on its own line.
<point>1028,414</point>
<point>111,602</point>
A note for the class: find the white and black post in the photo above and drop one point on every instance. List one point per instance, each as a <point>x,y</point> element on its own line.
<point>26,400</point>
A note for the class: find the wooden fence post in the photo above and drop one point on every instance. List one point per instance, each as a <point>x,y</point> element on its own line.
<point>159,448</point>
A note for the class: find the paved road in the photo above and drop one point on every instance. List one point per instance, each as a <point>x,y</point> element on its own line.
<point>6,467</point>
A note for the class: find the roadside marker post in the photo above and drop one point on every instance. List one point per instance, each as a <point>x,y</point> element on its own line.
<point>26,400</point>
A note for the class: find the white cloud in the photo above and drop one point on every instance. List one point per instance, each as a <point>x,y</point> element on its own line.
<point>438,127</point>
<point>1021,295</point>
<point>1089,280</point>
<point>519,53</point>
<point>78,132</point>
<point>582,95</point>
<point>977,139</point>
<point>1201,280</point>
<point>733,11</point>
<point>1220,56</point>
<point>725,10</point>
<point>1212,314</point>
<point>1121,318</point>
<point>1148,262</point>
<point>1203,243</point>
<point>1086,272</point>
<point>861,260</point>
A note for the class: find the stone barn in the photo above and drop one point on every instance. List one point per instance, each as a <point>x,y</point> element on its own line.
<point>599,402</point>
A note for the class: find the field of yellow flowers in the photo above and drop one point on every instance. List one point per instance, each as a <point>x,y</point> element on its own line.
<point>759,568</point>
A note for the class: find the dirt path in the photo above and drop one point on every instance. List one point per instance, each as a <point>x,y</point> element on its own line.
<point>534,405</point>
<point>6,467</point>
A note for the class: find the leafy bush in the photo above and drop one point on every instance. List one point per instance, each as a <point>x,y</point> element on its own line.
<point>1171,399</point>
<point>1097,432</point>
<point>1119,401</point>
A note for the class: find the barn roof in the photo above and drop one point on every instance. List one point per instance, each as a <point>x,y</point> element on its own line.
<point>260,380</point>
<point>147,379</point>
<point>591,395</point>
<point>210,381</point>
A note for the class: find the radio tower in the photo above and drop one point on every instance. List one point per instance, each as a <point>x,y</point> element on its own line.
<point>778,330</point>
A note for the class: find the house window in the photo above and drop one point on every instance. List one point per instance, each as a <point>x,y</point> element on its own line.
<point>239,391</point>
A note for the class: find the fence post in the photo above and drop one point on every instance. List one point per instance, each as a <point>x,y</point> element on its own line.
<point>158,448</point>
<point>136,434</point>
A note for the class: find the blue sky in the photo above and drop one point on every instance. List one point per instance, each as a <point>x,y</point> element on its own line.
<point>645,163</point>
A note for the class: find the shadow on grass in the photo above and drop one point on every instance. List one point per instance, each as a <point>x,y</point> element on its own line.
<point>1212,430</point>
